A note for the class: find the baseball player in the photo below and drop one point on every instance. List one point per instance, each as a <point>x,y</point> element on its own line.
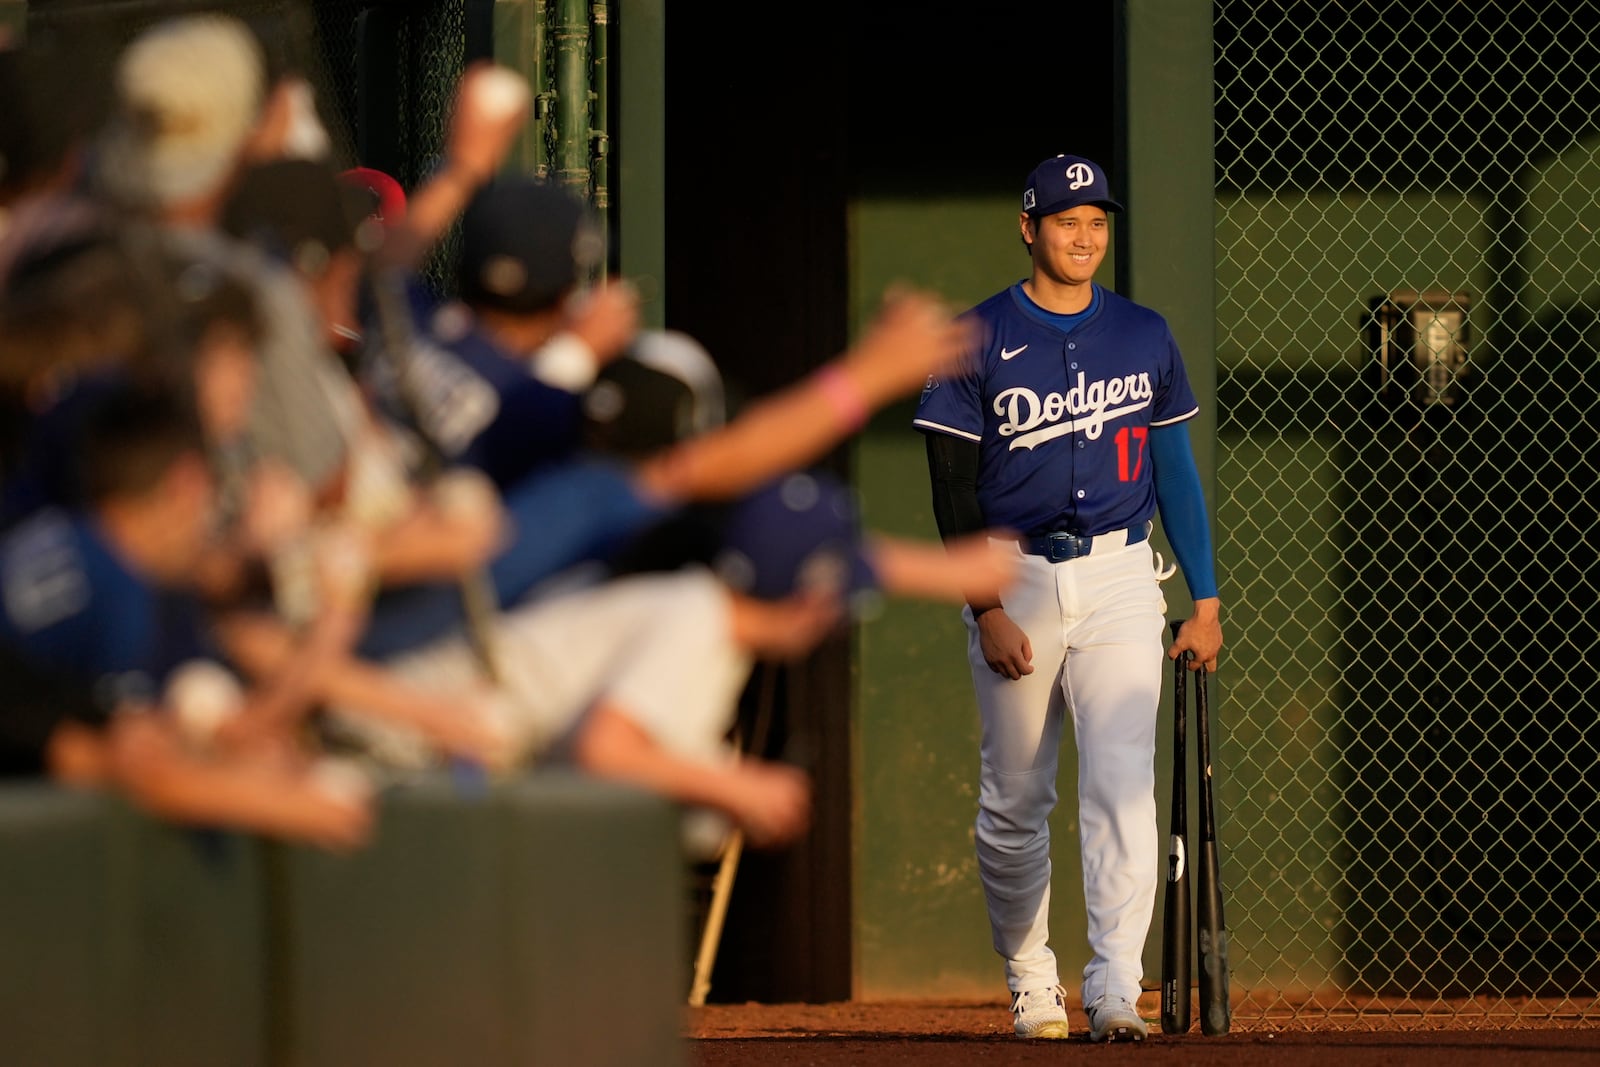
<point>1067,425</point>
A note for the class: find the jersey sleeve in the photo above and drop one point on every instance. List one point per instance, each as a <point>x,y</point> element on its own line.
<point>953,403</point>
<point>1181,499</point>
<point>1175,401</point>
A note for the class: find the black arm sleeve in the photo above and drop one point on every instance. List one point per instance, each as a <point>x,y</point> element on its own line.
<point>953,470</point>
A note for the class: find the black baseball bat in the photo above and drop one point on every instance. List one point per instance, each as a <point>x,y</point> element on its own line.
<point>1213,934</point>
<point>1175,935</point>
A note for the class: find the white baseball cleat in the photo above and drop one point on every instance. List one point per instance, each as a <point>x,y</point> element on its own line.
<point>1040,1013</point>
<point>1112,1018</point>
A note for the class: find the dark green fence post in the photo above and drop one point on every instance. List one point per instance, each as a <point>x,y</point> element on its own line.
<point>600,132</point>
<point>572,38</point>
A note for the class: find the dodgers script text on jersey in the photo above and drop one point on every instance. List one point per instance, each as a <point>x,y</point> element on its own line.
<point>1078,406</point>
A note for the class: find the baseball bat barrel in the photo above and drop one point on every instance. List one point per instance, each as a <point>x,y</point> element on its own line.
<point>1175,927</point>
<point>1209,924</point>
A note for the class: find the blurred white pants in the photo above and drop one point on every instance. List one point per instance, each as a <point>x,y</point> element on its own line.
<point>657,648</point>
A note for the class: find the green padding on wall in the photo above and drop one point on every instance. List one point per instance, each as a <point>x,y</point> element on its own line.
<point>396,954</point>
<point>485,928</point>
<point>124,941</point>
<point>57,1004</point>
<point>196,980</point>
<point>601,884</point>
<point>482,931</point>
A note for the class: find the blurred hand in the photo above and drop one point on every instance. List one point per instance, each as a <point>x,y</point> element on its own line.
<point>343,562</point>
<point>606,318</point>
<point>913,335</point>
<point>785,629</point>
<point>473,515</point>
<point>152,765</point>
<point>334,810</point>
<point>473,727</point>
<point>972,569</point>
<point>491,107</point>
<point>278,507</point>
<point>771,802</point>
<point>984,564</point>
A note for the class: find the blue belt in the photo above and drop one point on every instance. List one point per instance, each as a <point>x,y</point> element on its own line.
<point>1059,546</point>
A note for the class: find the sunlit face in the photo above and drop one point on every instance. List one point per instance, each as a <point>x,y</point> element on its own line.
<point>1068,246</point>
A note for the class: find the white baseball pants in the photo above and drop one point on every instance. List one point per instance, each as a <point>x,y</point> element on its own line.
<point>1096,625</point>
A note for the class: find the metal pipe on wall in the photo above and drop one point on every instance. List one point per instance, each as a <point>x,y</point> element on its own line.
<point>572,46</point>
<point>599,132</point>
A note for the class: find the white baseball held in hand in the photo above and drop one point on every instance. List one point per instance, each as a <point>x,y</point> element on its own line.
<point>499,92</point>
<point>342,780</point>
<point>203,695</point>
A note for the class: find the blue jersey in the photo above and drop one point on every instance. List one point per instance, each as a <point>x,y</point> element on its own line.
<point>72,606</point>
<point>44,472</point>
<point>479,403</point>
<point>570,513</point>
<point>1062,417</point>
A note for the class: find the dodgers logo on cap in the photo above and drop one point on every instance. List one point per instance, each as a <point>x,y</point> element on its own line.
<point>1064,182</point>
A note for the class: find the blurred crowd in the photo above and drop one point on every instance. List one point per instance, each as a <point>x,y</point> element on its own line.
<point>284,521</point>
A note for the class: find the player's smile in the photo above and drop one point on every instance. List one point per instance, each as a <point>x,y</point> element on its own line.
<point>1071,244</point>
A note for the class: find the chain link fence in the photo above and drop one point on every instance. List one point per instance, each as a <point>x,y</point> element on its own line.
<point>1408,321</point>
<point>392,67</point>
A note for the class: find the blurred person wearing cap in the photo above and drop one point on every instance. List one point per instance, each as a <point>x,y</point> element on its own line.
<point>591,677</point>
<point>524,309</point>
<point>196,100</point>
<point>1069,425</point>
<point>193,338</point>
<point>102,618</point>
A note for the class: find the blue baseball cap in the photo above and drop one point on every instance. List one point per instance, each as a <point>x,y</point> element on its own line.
<point>797,531</point>
<point>1063,182</point>
<point>525,244</point>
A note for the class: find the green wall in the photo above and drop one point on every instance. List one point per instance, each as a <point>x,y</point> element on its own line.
<point>1295,270</point>
<point>1562,257</point>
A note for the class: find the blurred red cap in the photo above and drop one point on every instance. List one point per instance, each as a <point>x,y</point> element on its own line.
<point>388,197</point>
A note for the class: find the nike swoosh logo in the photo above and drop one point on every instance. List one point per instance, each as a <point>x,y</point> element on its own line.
<point>1007,353</point>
